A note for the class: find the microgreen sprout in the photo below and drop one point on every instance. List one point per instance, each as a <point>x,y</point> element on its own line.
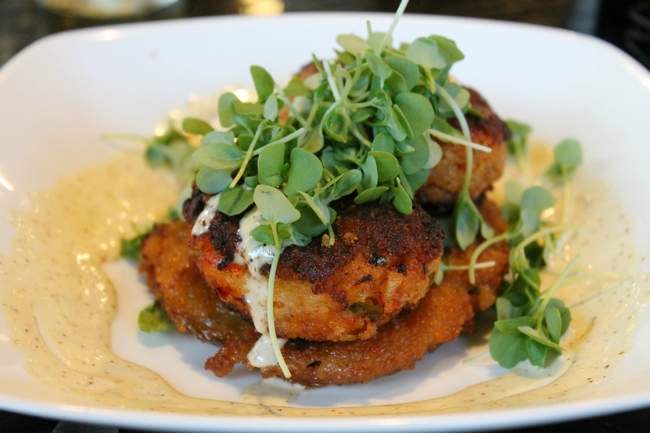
<point>567,157</point>
<point>530,328</point>
<point>530,321</point>
<point>517,142</point>
<point>154,319</point>
<point>447,138</point>
<point>444,268</point>
<point>130,248</point>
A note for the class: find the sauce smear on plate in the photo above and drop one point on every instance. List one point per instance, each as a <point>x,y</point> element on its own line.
<point>59,304</point>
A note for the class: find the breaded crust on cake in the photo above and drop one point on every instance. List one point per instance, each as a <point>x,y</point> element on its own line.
<point>381,263</point>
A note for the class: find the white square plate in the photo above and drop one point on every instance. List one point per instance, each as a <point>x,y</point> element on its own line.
<point>59,95</point>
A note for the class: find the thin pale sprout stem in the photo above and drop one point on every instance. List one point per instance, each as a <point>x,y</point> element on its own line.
<point>455,140</point>
<point>469,153</point>
<point>480,265</point>
<point>295,134</point>
<point>312,113</point>
<point>553,288</point>
<point>400,11</point>
<point>479,250</point>
<point>284,98</point>
<point>327,185</point>
<point>331,82</point>
<point>535,236</point>
<point>247,157</point>
<point>360,137</point>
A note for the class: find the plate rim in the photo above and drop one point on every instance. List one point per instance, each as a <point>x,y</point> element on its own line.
<point>473,421</point>
<point>479,420</point>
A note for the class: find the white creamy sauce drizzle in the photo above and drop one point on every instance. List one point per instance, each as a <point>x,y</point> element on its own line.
<point>202,223</point>
<point>255,256</point>
<point>261,355</point>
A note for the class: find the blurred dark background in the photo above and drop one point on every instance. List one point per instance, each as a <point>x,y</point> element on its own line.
<point>624,23</point>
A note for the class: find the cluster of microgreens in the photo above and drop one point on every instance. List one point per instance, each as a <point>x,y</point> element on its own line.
<point>364,126</point>
<point>530,321</point>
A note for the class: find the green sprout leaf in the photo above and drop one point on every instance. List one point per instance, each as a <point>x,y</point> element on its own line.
<point>235,201</point>
<point>130,248</point>
<point>319,208</point>
<point>274,205</point>
<point>192,125</point>
<point>448,49</point>
<point>387,166</point>
<point>434,52</point>
<point>517,144</point>
<point>296,87</point>
<point>370,194</point>
<point>154,319</point>
<point>537,353</point>
<point>417,110</point>
<point>418,179</point>
<point>406,68</point>
<point>212,181</point>
<point>248,108</point>
<point>460,96</point>
<point>425,52</point>
<point>534,201</point>
<point>539,336</point>
<point>304,173</point>
<point>270,164</point>
<point>375,40</point>
<point>263,81</point>
<point>508,349</point>
<point>511,326</point>
<point>314,141</point>
<point>370,173</point>
<point>418,159</point>
<point>378,66</point>
<point>347,184</point>
<point>568,156</point>
<point>310,224</point>
<point>218,156</point>
<point>466,220</point>
<point>402,201</point>
<point>352,44</point>
<point>383,142</point>
<point>271,108</point>
<point>226,108</point>
<point>553,320</point>
<point>396,124</point>
<point>263,234</point>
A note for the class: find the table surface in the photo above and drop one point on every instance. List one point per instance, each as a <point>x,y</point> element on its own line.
<point>22,22</point>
